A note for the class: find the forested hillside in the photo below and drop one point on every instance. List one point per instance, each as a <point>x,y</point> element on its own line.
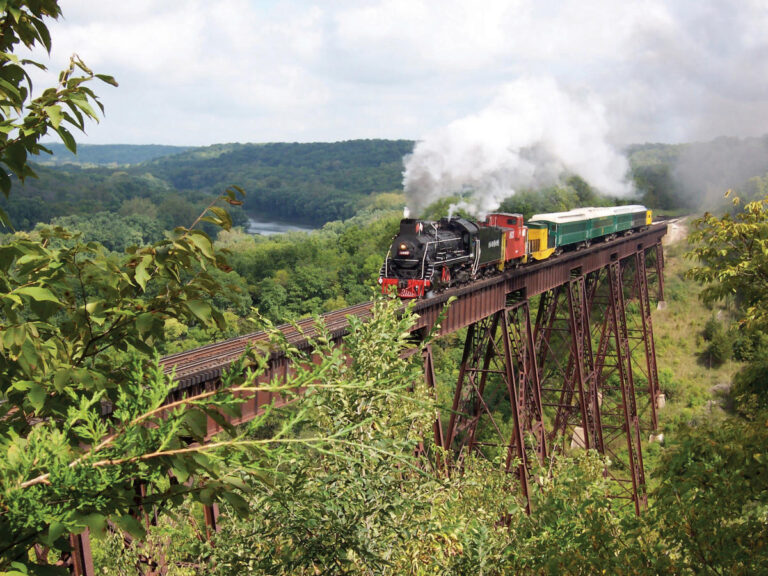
<point>310,183</point>
<point>314,183</point>
<point>694,176</point>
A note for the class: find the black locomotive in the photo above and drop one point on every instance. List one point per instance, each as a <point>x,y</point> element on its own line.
<point>428,255</point>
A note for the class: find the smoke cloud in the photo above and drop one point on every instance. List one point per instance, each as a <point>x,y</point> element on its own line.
<point>704,171</point>
<point>530,135</point>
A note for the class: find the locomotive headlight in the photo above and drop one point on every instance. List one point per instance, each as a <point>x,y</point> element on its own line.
<point>403,246</point>
<point>402,250</point>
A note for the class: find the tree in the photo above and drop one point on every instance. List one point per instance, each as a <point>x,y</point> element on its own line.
<point>732,258</point>
<point>78,328</point>
<point>711,503</point>
<point>25,120</point>
<point>77,332</point>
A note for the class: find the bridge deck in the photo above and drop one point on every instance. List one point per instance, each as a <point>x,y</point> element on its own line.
<point>473,302</point>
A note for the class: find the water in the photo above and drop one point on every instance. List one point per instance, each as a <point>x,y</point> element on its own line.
<point>269,227</point>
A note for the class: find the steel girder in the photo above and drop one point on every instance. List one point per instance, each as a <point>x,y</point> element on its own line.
<point>574,369</point>
<point>79,560</point>
<point>566,363</point>
<point>499,358</point>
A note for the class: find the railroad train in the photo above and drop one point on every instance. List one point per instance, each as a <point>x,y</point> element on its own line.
<point>427,257</point>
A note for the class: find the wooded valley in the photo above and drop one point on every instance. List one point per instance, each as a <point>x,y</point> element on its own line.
<point>110,262</point>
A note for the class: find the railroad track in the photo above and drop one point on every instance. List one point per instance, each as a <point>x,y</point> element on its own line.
<point>199,364</point>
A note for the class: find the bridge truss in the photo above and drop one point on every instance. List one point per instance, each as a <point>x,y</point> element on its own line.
<point>567,342</point>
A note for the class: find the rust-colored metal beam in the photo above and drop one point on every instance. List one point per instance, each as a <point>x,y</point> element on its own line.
<point>80,559</point>
<point>629,401</point>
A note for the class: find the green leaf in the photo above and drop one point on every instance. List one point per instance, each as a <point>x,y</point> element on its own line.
<point>36,396</point>
<point>222,420</point>
<point>15,156</point>
<point>203,243</point>
<point>141,276</point>
<point>15,12</point>
<point>96,522</point>
<point>197,422</point>
<point>67,138</point>
<point>62,378</point>
<point>131,525</point>
<point>180,471</point>
<point>108,79</point>
<point>55,531</point>
<point>43,33</point>
<point>82,102</point>
<point>237,502</point>
<point>144,322</point>
<point>5,186</point>
<point>202,310</point>
<point>54,114</point>
<point>37,293</point>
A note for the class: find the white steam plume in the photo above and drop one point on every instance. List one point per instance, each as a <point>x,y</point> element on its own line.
<point>531,134</point>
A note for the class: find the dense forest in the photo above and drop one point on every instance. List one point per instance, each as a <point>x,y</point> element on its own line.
<point>322,182</point>
<point>309,183</point>
<point>314,183</point>
<point>110,268</point>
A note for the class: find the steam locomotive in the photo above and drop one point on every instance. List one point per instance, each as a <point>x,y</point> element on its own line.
<point>427,257</point>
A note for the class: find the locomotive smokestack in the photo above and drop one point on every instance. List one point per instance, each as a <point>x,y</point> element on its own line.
<point>406,212</point>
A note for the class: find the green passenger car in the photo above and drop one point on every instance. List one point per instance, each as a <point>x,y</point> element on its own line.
<point>584,225</point>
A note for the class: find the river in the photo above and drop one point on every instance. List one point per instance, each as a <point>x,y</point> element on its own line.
<point>269,227</point>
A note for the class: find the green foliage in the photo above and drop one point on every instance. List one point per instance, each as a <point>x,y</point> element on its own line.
<point>340,507</point>
<point>658,186</point>
<point>720,343</point>
<point>750,387</point>
<point>115,233</point>
<point>73,317</point>
<point>75,192</point>
<point>749,344</point>
<point>711,329</point>
<point>712,504</point>
<point>732,255</point>
<point>301,274</point>
<point>719,349</point>
<point>315,183</point>
<point>25,120</point>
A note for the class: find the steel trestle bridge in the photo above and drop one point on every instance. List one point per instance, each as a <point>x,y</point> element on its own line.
<point>566,342</point>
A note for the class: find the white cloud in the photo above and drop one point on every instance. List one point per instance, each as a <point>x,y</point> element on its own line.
<point>309,70</point>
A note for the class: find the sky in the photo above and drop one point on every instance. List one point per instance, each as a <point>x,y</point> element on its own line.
<point>200,72</point>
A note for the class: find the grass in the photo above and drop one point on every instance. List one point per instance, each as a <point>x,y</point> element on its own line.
<point>685,376</point>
